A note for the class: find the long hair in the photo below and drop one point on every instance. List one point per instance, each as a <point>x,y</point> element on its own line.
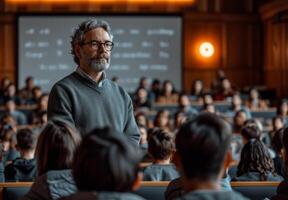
<point>55,148</point>
<point>255,157</point>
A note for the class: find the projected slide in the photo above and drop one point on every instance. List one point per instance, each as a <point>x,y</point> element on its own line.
<point>149,46</point>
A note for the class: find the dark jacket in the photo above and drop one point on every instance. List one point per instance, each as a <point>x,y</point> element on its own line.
<point>103,196</point>
<point>282,191</point>
<point>157,172</point>
<point>174,189</point>
<point>20,170</point>
<point>255,176</point>
<point>52,185</point>
<point>212,195</point>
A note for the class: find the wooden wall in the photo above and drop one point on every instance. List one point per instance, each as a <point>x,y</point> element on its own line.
<point>275,60</point>
<point>234,30</point>
<point>237,41</point>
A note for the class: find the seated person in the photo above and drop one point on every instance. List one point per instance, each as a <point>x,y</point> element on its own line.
<point>184,105</point>
<point>23,168</point>
<point>256,163</point>
<point>54,155</point>
<point>161,147</point>
<point>202,157</point>
<point>106,167</point>
<point>278,146</point>
<point>282,190</point>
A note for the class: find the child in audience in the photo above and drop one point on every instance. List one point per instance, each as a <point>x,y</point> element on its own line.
<point>54,155</point>
<point>256,163</point>
<point>24,167</point>
<point>106,167</point>
<point>161,147</point>
<point>202,158</point>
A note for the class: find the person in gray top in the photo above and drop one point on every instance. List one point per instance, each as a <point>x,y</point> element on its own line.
<point>54,155</point>
<point>85,98</point>
<point>106,166</point>
<point>161,147</point>
<point>202,157</point>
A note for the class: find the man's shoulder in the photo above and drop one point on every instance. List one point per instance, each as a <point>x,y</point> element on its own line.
<point>115,87</point>
<point>67,79</point>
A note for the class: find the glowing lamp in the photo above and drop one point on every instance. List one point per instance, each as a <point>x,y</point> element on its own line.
<point>206,49</point>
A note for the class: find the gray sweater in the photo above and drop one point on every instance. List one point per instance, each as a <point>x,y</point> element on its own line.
<point>81,103</point>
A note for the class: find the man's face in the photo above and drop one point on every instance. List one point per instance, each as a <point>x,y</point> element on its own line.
<point>91,56</point>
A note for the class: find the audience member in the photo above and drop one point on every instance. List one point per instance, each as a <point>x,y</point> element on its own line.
<point>202,158</point>
<point>197,89</point>
<point>106,166</point>
<point>278,147</point>
<point>282,190</point>
<point>185,106</point>
<point>141,100</point>
<point>26,93</point>
<point>24,167</point>
<point>256,163</point>
<point>54,154</point>
<point>10,108</point>
<point>161,147</point>
<point>168,94</point>
<point>162,120</point>
<point>254,102</point>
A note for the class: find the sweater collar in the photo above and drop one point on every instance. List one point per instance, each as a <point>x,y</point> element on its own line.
<point>89,78</point>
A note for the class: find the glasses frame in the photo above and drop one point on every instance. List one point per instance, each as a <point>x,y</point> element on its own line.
<point>94,44</point>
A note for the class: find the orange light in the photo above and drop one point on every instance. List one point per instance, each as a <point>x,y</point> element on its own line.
<point>101,1</point>
<point>206,49</point>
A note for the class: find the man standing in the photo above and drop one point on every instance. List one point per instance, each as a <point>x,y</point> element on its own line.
<point>85,98</point>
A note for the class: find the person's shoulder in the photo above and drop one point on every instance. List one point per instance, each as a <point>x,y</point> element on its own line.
<point>67,79</point>
<point>215,195</point>
<point>103,196</point>
<point>110,85</point>
<point>118,196</point>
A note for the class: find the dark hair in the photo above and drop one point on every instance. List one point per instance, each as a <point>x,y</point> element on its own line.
<point>161,144</point>
<point>55,148</point>
<point>202,144</point>
<point>26,139</point>
<point>279,106</point>
<point>78,36</point>
<point>255,157</point>
<point>106,161</point>
<point>285,145</point>
<point>277,141</point>
<point>158,116</point>
<point>251,132</point>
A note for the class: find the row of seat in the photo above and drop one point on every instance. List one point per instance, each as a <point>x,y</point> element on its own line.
<point>155,190</point>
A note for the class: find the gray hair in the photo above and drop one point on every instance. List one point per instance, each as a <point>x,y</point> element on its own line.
<point>78,36</point>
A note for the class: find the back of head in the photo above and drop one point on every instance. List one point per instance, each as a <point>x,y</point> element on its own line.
<point>105,161</point>
<point>285,146</point>
<point>202,144</point>
<point>255,157</point>
<point>161,144</point>
<point>251,132</point>
<point>26,139</point>
<point>55,148</point>
<point>277,141</point>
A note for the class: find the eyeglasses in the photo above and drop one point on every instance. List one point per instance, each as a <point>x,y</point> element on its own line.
<point>108,45</point>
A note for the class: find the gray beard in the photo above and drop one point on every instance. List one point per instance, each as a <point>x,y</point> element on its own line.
<point>99,65</point>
